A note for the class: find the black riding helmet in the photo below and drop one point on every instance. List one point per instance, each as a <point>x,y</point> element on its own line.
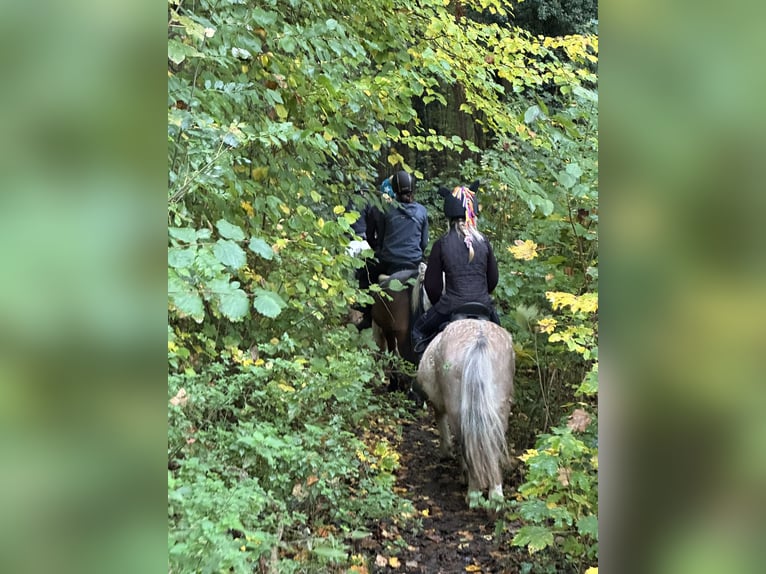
<point>403,184</point>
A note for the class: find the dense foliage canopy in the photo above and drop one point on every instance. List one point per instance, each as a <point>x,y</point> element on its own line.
<point>277,112</point>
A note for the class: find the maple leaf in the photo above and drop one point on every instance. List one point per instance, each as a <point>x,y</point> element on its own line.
<point>524,250</point>
<point>546,325</point>
<point>578,420</point>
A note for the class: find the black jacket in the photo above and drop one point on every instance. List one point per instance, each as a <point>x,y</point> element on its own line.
<point>465,282</point>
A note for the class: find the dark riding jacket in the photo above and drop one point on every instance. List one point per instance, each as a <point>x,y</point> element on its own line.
<point>465,281</point>
<point>402,234</point>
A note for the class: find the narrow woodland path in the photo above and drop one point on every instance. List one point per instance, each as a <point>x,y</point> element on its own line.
<point>453,539</point>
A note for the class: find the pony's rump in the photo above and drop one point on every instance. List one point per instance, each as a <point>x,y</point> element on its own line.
<point>467,373</point>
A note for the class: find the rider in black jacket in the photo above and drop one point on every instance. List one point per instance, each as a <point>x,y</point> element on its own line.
<point>462,265</point>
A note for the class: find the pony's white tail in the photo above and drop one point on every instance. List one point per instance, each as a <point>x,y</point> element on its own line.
<point>482,429</point>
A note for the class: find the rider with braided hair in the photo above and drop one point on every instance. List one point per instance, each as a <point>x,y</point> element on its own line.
<point>462,264</point>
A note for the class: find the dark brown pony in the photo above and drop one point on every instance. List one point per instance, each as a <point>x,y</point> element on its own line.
<point>467,374</point>
<point>392,320</point>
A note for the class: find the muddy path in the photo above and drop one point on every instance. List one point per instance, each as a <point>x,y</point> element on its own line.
<point>453,538</point>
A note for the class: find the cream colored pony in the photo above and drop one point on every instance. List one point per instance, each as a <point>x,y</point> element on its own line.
<point>467,373</point>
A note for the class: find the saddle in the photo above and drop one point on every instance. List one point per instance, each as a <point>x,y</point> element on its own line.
<point>403,276</point>
<point>472,310</point>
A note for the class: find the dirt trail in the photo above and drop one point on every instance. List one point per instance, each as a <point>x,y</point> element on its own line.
<point>454,539</point>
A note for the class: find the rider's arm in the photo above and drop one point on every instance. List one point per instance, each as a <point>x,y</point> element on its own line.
<point>492,273</point>
<point>433,279</point>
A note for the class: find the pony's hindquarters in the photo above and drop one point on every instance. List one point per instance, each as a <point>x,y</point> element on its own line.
<point>467,373</point>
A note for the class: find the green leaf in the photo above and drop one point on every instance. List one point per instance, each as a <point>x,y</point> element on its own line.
<point>229,253</point>
<point>588,526</point>
<point>185,234</point>
<point>177,51</point>
<point>396,285</point>
<point>574,170</point>
<point>589,386</point>
<point>566,179</point>
<point>268,303</point>
<point>181,258</point>
<point>330,552</point>
<point>260,247</point>
<point>287,43</point>
<point>229,230</point>
<point>533,537</point>
<point>234,305</point>
<point>263,18</point>
<point>532,113</point>
<point>185,298</point>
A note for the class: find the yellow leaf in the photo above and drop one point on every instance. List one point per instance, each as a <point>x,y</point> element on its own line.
<point>525,250</point>
<point>258,173</point>
<point>547,325</point>
<point>285,209</point>
<point>424,512</point>
<point>394,562</point>
<point>338,209</point>
<point>286,388</point>
<point>587,302</point>
<point>394,158</point>
<point>528,454</point>
<point>327,136</point>
<point>248,208</point>
<point>473,568</point>
<point>592,570</point>
<point>281,111</point>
